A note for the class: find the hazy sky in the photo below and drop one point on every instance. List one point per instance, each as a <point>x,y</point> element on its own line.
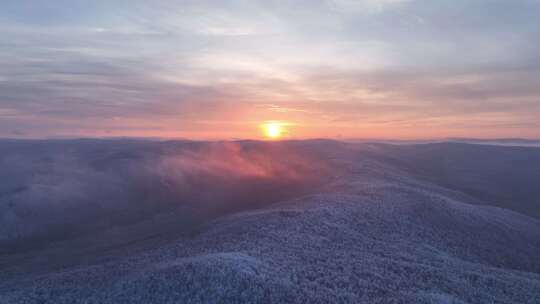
<point>217,69</point>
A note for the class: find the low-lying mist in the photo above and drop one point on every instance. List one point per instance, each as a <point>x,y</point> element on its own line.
<point>60,189</point>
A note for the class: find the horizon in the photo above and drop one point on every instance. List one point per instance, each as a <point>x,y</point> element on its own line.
<point>263,138</point>
<point>507,142</point>
<point>389,69</point>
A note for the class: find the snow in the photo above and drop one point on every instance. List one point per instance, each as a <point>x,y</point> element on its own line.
<point>367,230</point>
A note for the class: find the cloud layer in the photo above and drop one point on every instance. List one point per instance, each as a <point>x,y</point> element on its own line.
<point>215,70</point>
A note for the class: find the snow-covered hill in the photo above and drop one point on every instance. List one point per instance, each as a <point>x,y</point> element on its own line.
<point>128,221</point>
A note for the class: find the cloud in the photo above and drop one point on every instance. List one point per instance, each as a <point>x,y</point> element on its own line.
<point>56,189</point>
<point>74,68</point>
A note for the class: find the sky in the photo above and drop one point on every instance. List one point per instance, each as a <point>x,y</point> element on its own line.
<point>393,69</point>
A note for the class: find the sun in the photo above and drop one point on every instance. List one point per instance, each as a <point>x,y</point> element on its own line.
<point>273,129</point>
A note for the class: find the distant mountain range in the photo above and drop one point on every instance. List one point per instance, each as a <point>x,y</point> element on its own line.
<point>494,141</point>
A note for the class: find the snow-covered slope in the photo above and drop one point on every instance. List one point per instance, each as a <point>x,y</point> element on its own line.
<point>325,222</point>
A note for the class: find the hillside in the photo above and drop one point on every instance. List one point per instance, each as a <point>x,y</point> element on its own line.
<point>127,221</point>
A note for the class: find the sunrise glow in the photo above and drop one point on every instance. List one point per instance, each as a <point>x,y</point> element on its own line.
<point>218,70</point>
<point>273,129</point>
